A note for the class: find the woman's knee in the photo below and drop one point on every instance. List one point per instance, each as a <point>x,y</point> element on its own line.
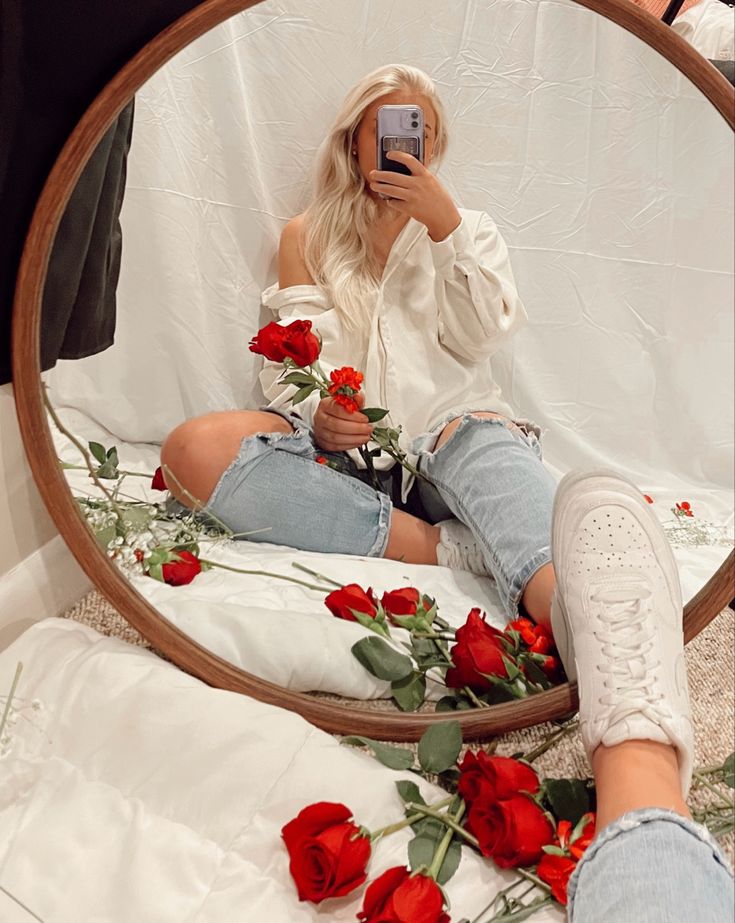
<point>196,453</point>
<point>481,414</point>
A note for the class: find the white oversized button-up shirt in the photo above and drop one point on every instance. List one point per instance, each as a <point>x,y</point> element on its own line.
<point>441,310</point>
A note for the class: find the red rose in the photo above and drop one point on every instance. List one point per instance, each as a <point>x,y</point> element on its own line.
<point>183,571</point>
<point>158,483</point>
<point>684,509</point>
<point>321,460</point>
<point>401,602</point>
<point>400,897</point>
<point>287,341</point>
<point>556,871</point>
<point>479,650</point>
<point>345,385</point>
<point>494,778</point>
<point>328,853</point>
<point>352,596</point>
<point>525,628</point>
<point>512,832</point>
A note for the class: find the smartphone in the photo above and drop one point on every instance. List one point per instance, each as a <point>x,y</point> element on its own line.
<point>400,128</point>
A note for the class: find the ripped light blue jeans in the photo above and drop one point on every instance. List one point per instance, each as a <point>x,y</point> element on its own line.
<point>488,474</point>
<point>652,866</point>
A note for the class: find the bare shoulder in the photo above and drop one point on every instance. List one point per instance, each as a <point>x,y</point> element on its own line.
<point>291,265</point>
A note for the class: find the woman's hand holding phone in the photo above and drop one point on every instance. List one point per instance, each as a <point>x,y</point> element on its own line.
<point>420,195</point>
<point>337,430</point>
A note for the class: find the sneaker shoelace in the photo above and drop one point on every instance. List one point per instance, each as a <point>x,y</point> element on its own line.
<point>627,643</point>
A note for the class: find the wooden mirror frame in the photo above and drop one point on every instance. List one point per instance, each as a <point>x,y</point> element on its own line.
<point>182,650</point>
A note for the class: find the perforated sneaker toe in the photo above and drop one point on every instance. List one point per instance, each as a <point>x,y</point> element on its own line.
<point>459,549</point>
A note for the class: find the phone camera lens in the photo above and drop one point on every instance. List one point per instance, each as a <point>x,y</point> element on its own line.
<point>414,124</point>
<point>414,115</point>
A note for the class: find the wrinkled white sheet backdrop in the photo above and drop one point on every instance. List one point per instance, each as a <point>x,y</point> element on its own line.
<point>610,177</point>
<point>608,174</point>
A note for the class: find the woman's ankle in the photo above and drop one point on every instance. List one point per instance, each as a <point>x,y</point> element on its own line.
<point>411,539</point>
<point>636,774</point>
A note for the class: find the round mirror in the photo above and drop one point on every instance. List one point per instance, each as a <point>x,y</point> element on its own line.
<point>600,145</point>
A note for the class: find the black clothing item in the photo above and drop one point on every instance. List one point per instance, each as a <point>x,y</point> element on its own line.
<point>55,57</point>
<point>78,308</point>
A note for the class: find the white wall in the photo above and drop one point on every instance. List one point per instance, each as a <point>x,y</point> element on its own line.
<point>38,574</point>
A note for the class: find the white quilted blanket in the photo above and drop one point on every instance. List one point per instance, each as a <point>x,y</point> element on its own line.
<point>133,793</point>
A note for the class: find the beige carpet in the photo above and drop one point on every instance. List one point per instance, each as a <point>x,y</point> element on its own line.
<point>711,668</point>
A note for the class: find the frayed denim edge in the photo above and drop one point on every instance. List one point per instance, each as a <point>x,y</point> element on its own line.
<point>631,821</point>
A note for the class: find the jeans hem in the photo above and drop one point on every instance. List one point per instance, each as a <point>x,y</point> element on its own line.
<point>630,821</point>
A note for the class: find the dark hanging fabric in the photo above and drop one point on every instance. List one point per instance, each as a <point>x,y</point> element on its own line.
<point>55,57</point>
<point>78,309</point>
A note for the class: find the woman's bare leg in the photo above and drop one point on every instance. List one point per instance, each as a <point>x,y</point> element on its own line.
<point>536,597</point>
<point>636,774</point>
<point>411,540</point>
<point>195,455</point>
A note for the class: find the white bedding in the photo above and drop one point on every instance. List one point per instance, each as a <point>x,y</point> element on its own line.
<point>130,791</point>
<point>284,633</point>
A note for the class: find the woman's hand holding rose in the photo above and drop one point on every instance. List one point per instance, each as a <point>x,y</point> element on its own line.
<point>337,429</point>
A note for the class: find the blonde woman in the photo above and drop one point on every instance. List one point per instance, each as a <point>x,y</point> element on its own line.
<point>417,294</point>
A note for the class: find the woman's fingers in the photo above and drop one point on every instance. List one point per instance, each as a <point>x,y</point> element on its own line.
<point>389,189</point>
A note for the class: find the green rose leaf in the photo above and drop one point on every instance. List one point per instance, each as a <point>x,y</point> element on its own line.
<point>156,571</point>
<point>105,535</point>
<point>112,458</point>
<point>569,798</point>
<point>374,413</point>
<point>409,792</point>
<point>392,757</point>
<point>410,691</point>
<point>297,378</point>
<point>440,745</point>
<point>98,451</point>
<point>381,660</point>
<point>374,624</point>
<point>303,393</point>
<point>423,846</point>
<point>453,703</point>
<point>728,771</point>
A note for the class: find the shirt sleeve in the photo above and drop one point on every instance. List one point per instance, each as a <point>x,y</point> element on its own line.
<point>477,302</point>
<point>301,302</point>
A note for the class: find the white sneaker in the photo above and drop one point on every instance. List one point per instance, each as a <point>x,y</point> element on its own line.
<point>617,616</point>
<point>458,548</point>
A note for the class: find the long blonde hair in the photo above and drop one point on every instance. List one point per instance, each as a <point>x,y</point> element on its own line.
<point>337,251</point>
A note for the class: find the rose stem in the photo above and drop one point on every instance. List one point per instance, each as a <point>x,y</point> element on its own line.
<point>11,694</point>
<point>528,911</point>
<point>406,822</point>
<point>85,455</point>
<point>441,852</point>
<point>550,741</point>
<point>445,819</point>
<point>131,474</point>
<point>314,573</point>
<point>262,573</point>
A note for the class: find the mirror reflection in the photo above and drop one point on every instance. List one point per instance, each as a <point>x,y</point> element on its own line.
<point>369,314</point>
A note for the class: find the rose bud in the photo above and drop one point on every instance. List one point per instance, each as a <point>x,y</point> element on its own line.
<point>158,483</point>
<point>479,649</point>
<point>494,777</point>
<point>397,896</point>
<point>328,852</point>
<point>404,601</point>
<point>182,571</point>
<point>293,341</point>
<point>351,596</point>
<point>512,832</point>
